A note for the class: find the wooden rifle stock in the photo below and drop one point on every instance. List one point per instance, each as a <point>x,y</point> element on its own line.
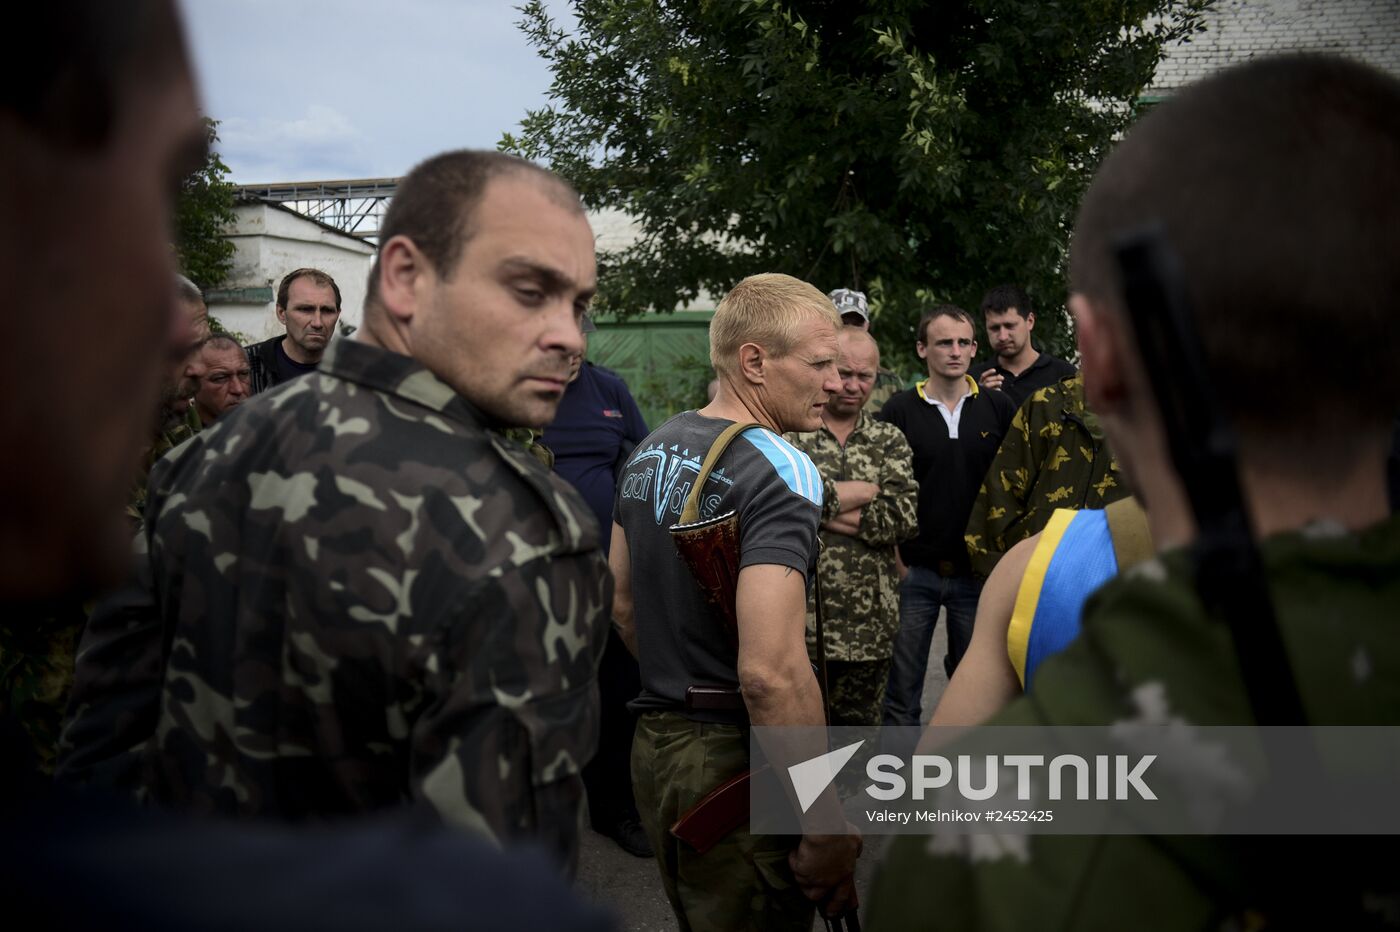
<point>722,810</point>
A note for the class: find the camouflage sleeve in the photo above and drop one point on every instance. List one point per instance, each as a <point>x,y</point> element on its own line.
<point>116,685</point>
<point>1001,501</point>
<point>892,517</point>
<point>487,721</point>
<point>831,502</point>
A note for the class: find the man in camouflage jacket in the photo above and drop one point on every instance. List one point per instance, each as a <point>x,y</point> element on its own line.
<point>870,502</point>
<point>1054,456</point>
<point>855,312</point>
<point>368,596</point>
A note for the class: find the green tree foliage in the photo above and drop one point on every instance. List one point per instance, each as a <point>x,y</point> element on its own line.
<point>919,151</point>
<point>203,211</point>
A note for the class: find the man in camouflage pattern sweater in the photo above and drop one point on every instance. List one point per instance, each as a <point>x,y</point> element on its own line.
<point>869,504</point>
<point>1054,456</point>
<point>369,598</point>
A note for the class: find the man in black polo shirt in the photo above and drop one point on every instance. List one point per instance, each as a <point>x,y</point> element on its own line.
<point>1018,368</point>
<point>954,429</point>
<point>308,305</point>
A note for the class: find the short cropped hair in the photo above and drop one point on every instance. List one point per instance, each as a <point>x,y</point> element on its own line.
<point>1277,186</point>
<point>434,203</point>
<point>862,336</point>
<point>773,310</point>
<point>942,310</point>
<point>1004,298</point>
<point>316,275</point>
<point>83,58</point>
<point>221,341</point>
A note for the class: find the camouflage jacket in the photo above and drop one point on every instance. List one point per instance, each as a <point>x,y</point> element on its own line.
<point>1148,652</point>
<point>372,600</point>
<point>860,587</point>
<point>887,385</point>
<point>1053,456</point>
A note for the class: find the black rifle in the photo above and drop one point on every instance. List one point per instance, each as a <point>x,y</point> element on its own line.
<point>1228,572</point>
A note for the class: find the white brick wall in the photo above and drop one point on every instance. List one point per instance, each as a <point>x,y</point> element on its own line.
<point>268,242</point>
<point>1238,30</point>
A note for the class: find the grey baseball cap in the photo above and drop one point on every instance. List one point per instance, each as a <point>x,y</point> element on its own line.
<point>850,302</point>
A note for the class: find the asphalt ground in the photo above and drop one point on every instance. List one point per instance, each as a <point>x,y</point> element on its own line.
<point>631,885</point>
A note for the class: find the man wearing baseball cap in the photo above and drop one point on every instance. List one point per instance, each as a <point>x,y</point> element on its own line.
<point>855,312</point>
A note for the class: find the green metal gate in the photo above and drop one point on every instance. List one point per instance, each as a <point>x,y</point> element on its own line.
<point>665,359</point>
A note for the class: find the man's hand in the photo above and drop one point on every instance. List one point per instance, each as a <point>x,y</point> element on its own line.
<point>991,379</point>
<point>847,523</point>
<point>824,867</point>
<point>855,493</point>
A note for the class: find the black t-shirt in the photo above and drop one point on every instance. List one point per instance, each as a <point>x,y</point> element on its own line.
<point>1047,370</point>
<point>950,471</point>
<point>289,368</point>
<point>777,492</point>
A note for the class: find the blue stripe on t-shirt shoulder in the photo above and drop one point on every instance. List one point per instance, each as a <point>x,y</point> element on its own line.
<point>794,466</point>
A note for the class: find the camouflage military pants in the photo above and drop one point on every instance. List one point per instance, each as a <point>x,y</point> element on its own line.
<point>744,882</point>
<point>856,690</point>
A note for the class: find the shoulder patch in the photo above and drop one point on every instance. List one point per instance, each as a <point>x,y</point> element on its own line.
<point>794,466</point>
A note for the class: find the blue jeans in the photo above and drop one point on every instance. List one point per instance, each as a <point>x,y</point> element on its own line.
<point>921,594</point>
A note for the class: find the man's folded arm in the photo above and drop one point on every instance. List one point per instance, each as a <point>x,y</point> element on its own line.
<point>892,515</point>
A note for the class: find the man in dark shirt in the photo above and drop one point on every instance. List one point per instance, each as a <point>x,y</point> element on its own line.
<point>954,429</point>
<point>773,344</point>
<point>1018,368</point>
<point>597,428</point>
<point>308,305</point>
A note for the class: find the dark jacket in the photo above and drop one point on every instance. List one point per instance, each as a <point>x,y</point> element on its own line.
<point>262,364</point>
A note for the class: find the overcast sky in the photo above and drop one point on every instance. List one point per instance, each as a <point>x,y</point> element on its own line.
<point>324,89</point>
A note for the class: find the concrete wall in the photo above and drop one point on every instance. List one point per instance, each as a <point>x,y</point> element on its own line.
<point>1238,30</point>
<point>615,230</point>
<point>268,242</point>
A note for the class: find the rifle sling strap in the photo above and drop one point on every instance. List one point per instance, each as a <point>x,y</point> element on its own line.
<point>691,512</point>
<point>821,635</point>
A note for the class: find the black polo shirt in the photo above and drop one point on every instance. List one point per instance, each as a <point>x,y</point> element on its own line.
<point>949,470</point>
<point>1044,372</point>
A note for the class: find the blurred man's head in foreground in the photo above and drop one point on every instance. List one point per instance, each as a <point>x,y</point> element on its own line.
<point>1277,186</point>
<point>98,125</point>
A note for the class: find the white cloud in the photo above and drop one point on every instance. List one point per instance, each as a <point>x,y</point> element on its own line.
<point>322,143</point>
<point>323,89</point>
